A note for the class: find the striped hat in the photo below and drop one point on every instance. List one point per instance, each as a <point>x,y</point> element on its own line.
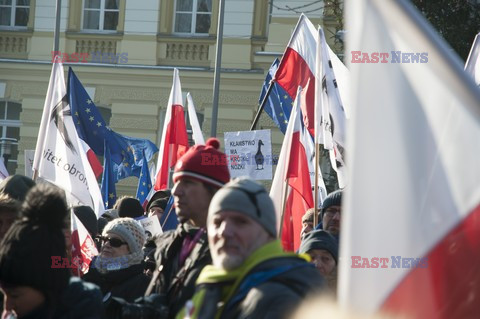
<point>204,163</point>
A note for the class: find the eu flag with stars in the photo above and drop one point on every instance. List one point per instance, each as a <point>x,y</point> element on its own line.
<point>109,194</point>
<point>279,104</point>
<point>144,183</point>
<point>126,152</point>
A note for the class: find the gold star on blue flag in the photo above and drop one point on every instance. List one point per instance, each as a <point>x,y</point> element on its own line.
<point>125,151</point>
<point>144,183</point>
<point>279,104</point>
<point>109,193</point>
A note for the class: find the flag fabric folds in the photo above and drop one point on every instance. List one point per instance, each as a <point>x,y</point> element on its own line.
<point>169,219</point>
<point>291,189</point>
<point>125,151</point>
<point>279,104</point>
<point>192,116</point>
<point>329,111</point>
<point>174,141</point>
<point>410,240</point>
<point>297,68</point>
<point>144,184</point>
<point>472,66</point>
<point>60,156</point>
<point>109,193</point>
<point>83,247</point>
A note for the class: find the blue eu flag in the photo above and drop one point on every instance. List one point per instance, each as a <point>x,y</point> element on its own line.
<point>279,104</point>
<point>109,194</point>
<point>144,183</point>
<point>126,152</point>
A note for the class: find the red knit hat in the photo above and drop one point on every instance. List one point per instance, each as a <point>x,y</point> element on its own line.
<point>204,163</point>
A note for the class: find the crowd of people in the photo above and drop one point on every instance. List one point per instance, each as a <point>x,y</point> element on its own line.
<point>224,259</point>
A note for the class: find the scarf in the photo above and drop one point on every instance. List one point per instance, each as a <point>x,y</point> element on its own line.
<point>219,284</point>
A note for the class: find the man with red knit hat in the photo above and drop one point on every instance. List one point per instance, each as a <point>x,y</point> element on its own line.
<point>182,253</point>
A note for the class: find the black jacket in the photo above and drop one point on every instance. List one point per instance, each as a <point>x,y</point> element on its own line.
<point>80,300</point>
<point>177,283</point>
<point>129,283</point>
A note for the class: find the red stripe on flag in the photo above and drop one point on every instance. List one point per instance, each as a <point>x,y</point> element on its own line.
<point>94,163</point>
<point>449,287</point>
<point>292,72</point>
<point>300,198</point>
<point>176,144</point>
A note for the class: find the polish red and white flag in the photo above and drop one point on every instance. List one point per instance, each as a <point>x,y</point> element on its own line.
<point>413,145</point>
<point>174,141</point>
<point>291,189</point>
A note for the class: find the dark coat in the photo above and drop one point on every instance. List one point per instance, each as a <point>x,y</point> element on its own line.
<point>275,297</point>
<point>177,283</point>
<point>80,300</point>
<point>129,283</point>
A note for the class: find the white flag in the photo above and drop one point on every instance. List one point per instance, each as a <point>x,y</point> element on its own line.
<point>472,65</point>
<point>192,116</point>
<point>410,239</point>
<point>59,155</point>
<point>330,114</point>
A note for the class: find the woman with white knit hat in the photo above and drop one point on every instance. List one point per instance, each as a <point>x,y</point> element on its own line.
<point>118,269</point>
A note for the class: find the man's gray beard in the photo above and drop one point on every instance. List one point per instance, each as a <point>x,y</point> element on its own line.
<point>227,262</point>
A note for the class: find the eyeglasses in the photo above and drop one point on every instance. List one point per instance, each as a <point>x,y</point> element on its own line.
<point>332,212</point>
<point>114,242</point>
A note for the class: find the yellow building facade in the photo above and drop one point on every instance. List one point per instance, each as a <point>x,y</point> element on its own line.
<point>132,48</point>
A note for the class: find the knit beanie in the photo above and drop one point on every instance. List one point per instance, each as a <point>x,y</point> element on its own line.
<point>246,196</point>
<point>33,240</point>
<point>129,207</point>
<point>88,218</point>
<point>129,230</point>
<point>162,203</point>
<point>319,239</point>
<point>16,186</point>
<point>333,199</point>
<point>204,163</point>
<point>161,194</point>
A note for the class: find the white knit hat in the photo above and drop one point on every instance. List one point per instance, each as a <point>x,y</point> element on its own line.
<point>129,230</point>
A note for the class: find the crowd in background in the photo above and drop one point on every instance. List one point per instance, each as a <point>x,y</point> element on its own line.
<point>224,259</point>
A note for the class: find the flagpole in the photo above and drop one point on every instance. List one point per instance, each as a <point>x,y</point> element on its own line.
<point>261,106</point>
<point>284,203</point>
<point>56,31</point>
<point>218,64</point>
<point>56,41</point>
<point>315,199</point>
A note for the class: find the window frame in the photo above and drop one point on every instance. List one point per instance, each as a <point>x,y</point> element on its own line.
<point>194,13</point>
<point>13,7</point>
<point>4,125</point>
<point>101,22</point>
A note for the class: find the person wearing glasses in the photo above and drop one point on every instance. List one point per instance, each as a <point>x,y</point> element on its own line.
<point>118,269</point>
<point>183,252</point>
<point>251,275</point>
<point>331,214</point>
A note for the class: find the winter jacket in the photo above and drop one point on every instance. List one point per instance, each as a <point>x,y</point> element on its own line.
<point>175,282</point>
<point>269,284</point>
<point>128,283</point>
<point>80,300</point>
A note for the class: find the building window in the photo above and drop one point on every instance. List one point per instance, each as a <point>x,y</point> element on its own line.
<point>100,15</point>
<point>10,130</point>
<point>193,16</point>
<point>14,13</point>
